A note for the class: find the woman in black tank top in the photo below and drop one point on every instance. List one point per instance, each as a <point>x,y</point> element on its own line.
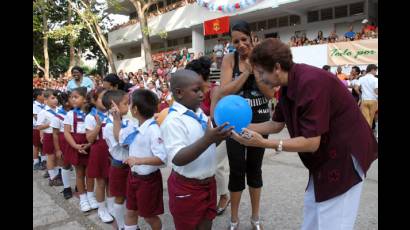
<point>237,78</point>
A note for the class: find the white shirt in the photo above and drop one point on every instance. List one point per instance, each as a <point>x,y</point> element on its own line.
<point>57,123</point>
<point>147,143</point>
<point>117,151</point>
<point>36,110</point>
<point>91,123</point>
<point>45,117</point>
<point>218,49</point>
<point>368,84</point>
<point>69,120</point>
<point>180,131</point>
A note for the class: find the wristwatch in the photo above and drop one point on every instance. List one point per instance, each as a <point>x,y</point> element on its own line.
<point>279,148</point>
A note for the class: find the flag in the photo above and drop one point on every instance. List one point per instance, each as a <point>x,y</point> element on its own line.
<point>216,26</point>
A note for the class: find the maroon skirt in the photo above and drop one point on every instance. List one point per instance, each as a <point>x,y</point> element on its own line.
<point>63,147</point>
<point>99,162</point>
<point>36,138</point>
<point>75,157</point>
<point>48,144</point>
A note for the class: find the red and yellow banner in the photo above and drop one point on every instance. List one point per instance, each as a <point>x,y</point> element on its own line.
<point>216,26</point>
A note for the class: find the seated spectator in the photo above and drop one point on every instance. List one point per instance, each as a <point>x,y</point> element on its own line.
<point>319,36</point>
<point>326,67</point>
<point>350,34</point>
<point>292,41</point>
<point>333,37</point>
<point>367,29</point>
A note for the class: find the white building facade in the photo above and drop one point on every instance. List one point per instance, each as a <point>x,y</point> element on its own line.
<point>268,18</point>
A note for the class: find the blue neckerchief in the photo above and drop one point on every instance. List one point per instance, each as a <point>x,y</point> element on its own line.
<point>100,114</point>
<point>130,138</point>
<point>62,111</point>
<point>80,114</point>
<point>123,124</point>
<point>55,114</point>
<point>193,115</point>
<point>42,106</point>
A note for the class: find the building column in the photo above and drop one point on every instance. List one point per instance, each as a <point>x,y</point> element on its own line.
<point>198,41</point>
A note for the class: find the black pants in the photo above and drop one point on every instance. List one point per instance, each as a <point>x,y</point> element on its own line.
<point>241,164</point>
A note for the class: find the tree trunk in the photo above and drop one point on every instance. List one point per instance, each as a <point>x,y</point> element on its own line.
<point>107,48</point>
<point>45,45</point>
<point>71,42</point>
<point>79,54</point>
<point>145,36</point>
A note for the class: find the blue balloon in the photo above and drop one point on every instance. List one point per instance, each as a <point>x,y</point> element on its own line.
<point>235,110</point>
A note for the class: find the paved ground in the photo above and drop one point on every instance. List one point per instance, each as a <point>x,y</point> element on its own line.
<point>284,178</point>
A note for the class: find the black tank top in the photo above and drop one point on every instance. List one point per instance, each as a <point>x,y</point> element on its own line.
<point>251,92</point>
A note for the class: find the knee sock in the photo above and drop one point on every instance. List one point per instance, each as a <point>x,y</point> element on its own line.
<point>65,175</point>
<point>119,215</point>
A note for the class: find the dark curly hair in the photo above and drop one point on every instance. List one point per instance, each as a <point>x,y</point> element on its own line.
<point>201,66</point>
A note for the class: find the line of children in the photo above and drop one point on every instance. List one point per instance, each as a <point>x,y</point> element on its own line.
<point>137,151</point>
<point>146,155</point>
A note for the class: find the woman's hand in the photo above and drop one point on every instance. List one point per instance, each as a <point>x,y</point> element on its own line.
<point>249,138</point>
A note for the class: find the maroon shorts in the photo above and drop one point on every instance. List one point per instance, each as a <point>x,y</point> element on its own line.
<point>48,144</point>
<point>75,157</point>
<point>145,193</point>
<point>98,162</point>
<point>118,181</point>
<point>63,147</point>
<point>36,138</point>
<point>191,201</point>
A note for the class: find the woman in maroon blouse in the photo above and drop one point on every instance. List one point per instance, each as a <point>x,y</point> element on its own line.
<point>326,128</point>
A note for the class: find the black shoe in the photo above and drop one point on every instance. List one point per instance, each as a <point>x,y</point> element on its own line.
<point>67,193</point>
<point>75,189</point>
<point>36,166</point>
<point>43,165</point>
<point>46,175</point>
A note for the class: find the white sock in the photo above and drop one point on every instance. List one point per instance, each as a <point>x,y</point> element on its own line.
<point>119,215</point>
<point>51,173</point>
<point>65,175</point>
<point>130,227</point>
<point>110,202</point>
<point>35,161</point>
<point>90,195</point>
<point>43,158</point>
<point>56,171</point>
<point>83,197</point>
<point>101,205</point>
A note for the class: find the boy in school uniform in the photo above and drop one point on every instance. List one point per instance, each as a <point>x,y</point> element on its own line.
<point>37,107</point>
<point>146,155</point>
<point>190,142</point>
<point>119,171</point>
<point>43,124</point>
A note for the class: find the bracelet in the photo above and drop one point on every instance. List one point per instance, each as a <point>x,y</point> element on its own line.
<point>279,148</point>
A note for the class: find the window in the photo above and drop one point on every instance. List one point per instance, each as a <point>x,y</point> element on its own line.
<point>356,8</point>
<point>326,14</point>
<point>341,11</point>
<point>313,16</point>
<point>187,39</point>
<point>272,23</point>
<point>294,20</point>
<point>253,26</point>
<point>283,21</point>
<point>172,42</point>
<point>262,25</point>
<point>271,35</point>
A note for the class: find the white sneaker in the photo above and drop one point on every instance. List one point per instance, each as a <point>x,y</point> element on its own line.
<point>84,206</point>
<point>104,215</point>
<point>93,202</point>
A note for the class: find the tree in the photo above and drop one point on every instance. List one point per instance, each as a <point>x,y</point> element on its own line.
<point>40,11</point>
<point>91,20</point>
<point>142,6</point>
